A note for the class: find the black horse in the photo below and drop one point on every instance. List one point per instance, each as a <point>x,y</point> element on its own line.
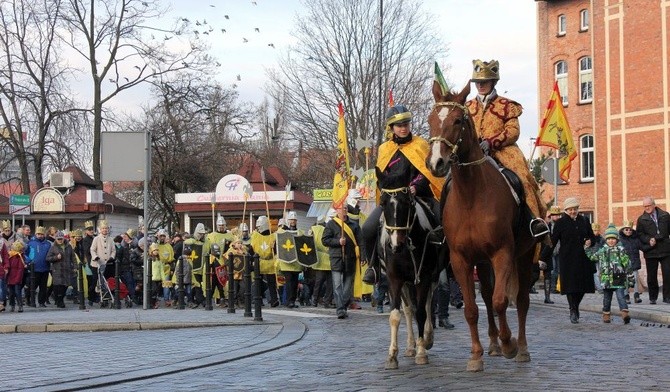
<point>411,266</point>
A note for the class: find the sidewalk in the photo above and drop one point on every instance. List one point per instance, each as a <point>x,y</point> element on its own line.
<point>72,319</point>
<point>655,314</point>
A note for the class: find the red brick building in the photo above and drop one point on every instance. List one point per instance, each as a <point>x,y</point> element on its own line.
<point>610,59</point>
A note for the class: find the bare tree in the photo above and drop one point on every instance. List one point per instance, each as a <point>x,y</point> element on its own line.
<point>199,131</point>
<point>337,59</point>
<point>122,50</point>
<point>34,99</point>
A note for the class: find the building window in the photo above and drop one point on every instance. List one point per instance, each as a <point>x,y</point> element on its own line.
<point>585,80</point>
<point>583,20</point>
<point>562,80</point>
<point>586,161</point>
<point>562,25</point>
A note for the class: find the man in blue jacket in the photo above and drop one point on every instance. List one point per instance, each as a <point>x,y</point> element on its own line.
<point>36,254</point>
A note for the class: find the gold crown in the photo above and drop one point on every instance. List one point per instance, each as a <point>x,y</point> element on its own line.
<point>555,210</point>
<point>627,224</point>
<point>485,70</point>
<point>6,224</point>
<point>89,225</point>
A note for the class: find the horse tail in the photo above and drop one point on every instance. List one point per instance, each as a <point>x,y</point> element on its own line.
<point>512,289</point>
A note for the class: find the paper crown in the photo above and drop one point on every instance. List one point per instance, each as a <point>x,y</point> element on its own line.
<point>627,224</point>
<point>6,224</point>
<point>554,210</point>
<point>89,225</point>
<point>485,70</point>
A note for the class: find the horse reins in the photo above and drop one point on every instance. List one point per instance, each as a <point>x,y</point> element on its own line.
<point>454,146</point>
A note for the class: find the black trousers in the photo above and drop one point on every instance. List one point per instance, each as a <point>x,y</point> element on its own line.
<point>652,277</point>
<point>41,279</point>
<point>291,285</point>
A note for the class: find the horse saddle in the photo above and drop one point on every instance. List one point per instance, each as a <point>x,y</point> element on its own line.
<point>514,183</point>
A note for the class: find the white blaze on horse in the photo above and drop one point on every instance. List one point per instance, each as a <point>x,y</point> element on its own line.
<point>411,267</point>
<point>481,222</point>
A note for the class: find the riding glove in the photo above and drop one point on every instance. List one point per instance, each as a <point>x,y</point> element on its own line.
<point>486,146</point>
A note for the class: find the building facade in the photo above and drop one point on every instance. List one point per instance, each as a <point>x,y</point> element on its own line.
<point>610,59</point>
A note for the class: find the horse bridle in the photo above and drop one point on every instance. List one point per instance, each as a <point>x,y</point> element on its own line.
<point>410,220</point>
<point>454,146</point>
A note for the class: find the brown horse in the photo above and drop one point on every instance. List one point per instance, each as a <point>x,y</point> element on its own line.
<point>480,218</point>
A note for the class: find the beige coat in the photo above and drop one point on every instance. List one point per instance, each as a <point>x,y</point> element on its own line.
<point>103,249</point>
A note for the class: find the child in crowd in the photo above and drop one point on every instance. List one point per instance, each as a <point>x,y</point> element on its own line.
<point>156,275</point>
<point>238,251</point>
<point>630,241</point>
<point>614,266</point>
<point>14,279</point>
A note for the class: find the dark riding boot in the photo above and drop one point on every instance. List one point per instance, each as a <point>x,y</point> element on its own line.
<point>547,292</point>
<point>538,227</point>
<point>371,274</point>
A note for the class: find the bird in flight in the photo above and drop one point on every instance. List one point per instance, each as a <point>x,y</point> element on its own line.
<point>239,78</point>
<point>245,40</point>
<point>271,45</point>
<point>226,16</point>
<point>257,30</point>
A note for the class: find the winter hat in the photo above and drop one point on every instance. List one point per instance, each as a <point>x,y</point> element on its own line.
<point>59,234</point>
<point>570,202</point>
<point>611,231</point>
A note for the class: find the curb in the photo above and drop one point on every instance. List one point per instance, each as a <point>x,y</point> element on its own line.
<point>109,327</point>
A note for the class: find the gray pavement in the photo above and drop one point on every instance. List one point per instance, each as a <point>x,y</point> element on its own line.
<point>309,349</point>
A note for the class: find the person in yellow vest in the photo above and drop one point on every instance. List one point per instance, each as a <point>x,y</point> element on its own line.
<point>291,270</point>
<point>496,120</point>
<point>197,250</point>
<point>323,282</point>
<point>402,156</point>
<point>166,256</point>
<point>223,238</point>
<point>262,243</point>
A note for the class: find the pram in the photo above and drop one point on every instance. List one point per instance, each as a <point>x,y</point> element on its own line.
<point>102,288</point>
<point>123,292</point>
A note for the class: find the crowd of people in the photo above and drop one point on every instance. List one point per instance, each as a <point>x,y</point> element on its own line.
<point>585,262</point>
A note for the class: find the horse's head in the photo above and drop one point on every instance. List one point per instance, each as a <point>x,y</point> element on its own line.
<point>452,134</point>
<point>398,207</point>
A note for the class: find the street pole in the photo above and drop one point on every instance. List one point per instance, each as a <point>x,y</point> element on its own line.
<point>380,103</point>
<point>147,177</point>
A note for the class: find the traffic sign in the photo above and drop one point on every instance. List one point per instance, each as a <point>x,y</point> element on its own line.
<point>19,200</point>
<point>19,204</point>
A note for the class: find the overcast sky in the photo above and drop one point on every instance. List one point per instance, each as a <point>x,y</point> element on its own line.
<point>504,30</point>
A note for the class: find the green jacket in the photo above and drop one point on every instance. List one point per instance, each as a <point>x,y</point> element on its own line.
<point>614,266</point>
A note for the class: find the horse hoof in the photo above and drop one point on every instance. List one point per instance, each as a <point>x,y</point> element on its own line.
<point>511,349</point>
<point>522,357</point>
<point>429,345</point>
<point>494,350</point>
<point>391,364</point>
<point>475,365</point>
<point>410,352</point>
<point>421,359</point>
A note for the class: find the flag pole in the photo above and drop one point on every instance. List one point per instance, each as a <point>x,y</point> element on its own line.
<point>556,178</point>
<point>287,189</point>
<point>267,206</point>
<point>213,206</point>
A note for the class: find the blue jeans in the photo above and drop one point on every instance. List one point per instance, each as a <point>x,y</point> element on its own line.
<point>381,288</point>
<point>620,297</point>
<point>3,290</point>
<point>342,290</point>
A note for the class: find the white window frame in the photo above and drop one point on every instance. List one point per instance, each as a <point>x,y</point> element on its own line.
<point>586,158</point>
<point>584,20</point>
<point>585,79</point>
<point>562,25</point>
<point>561,74</point>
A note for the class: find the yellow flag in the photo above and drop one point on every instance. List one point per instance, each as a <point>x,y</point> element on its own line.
<point>341,180</point>
<point>555,133</point>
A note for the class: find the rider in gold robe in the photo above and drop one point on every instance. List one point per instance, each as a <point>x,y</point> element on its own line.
<point>496,120</point>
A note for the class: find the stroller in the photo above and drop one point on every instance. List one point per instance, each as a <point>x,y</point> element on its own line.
<point>123,291</point>
<point>102,288</point>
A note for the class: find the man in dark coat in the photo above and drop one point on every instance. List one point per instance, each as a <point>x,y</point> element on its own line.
<point>576,269</point>
<point>653,226</point>
<point>342,236</point>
